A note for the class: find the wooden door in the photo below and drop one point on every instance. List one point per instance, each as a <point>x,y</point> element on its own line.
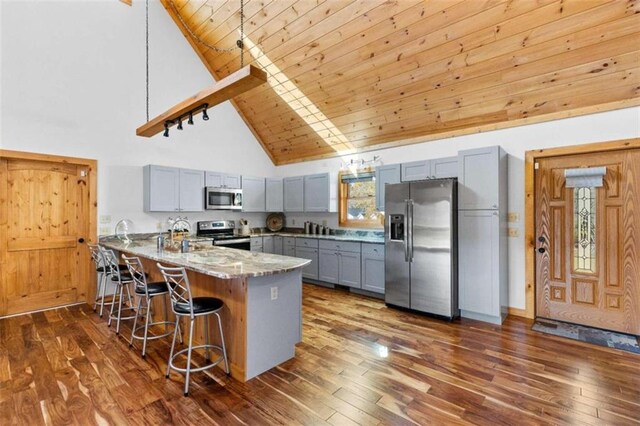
<point>44,219</point>
<point>588,242</point>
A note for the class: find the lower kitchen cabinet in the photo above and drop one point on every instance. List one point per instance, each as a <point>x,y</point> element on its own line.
<point>256,244</point>
<point>339,263</point>
<point>311,270</point>
<point>268,244</point>
<point>328,266</point>
<point>349,269</point>
<point>373,267</point>
<point>289,246</point>
<point>278,245</point>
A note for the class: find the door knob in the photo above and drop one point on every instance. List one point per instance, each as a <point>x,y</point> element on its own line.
<point>81,240</point>
<point>541,250</point>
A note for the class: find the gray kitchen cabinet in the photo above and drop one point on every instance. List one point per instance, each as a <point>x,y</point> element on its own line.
<point>319,193</point>
<point>385,175</point>
<point>311,270</point>
<point>416,170</point>
<point>328,265</point>
<point>253,194</point>
<point>274,195</point>
<point>268,244</point>
<point>289,246</point>
<point>223,180</point>
<point>446,167</point>
<point>373,267</point>
<point>191,190</point>
<point>293,194</point>
<point>256,244</point>
<point>482,178</point>
<point>482,276</point>
<point>170,189</point>
<point>278,245</point>
<point>349,269</point>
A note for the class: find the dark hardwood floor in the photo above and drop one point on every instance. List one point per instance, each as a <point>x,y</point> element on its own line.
<point>359,363</point>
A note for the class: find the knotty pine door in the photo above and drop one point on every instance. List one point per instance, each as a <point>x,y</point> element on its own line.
<point>588,242</point>
<point>44,211</point>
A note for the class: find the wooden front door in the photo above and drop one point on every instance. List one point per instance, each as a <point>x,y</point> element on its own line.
<point>44,222</point>
<point>588,242</point>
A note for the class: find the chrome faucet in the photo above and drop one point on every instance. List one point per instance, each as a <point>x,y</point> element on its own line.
<point>179,223</point>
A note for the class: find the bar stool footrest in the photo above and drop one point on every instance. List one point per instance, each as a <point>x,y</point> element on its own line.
<point>155,336</point>
<point>196,369</point>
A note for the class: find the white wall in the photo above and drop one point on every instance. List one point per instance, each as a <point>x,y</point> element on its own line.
<point>73,83</point>
<point>612,125</point>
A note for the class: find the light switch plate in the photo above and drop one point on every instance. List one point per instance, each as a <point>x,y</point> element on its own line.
<point>105,218</point>
<point>514,232</point>
<point>513,217</point>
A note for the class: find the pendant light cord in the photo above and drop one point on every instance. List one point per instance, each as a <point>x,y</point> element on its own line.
<point>147,54</point>
<point>241,33</point>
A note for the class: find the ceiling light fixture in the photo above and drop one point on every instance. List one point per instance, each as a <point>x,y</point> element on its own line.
<point>246,78</point>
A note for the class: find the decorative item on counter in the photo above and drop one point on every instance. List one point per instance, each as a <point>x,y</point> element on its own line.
<point>160,242</point>
<point>275,222</point>
<point>307,227</point>
<point>244,227</point>
<point>184,246</point>
<point>123,229</point>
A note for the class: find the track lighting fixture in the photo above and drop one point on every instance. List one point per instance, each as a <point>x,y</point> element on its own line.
<point>166,130</point>
<point>179,123</point>
<point>205,116</point>
<point>190,118</point>
<point>186,116</point>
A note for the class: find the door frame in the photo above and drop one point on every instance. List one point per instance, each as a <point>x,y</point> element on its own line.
<point>92,178</point>
<point>529,206</point>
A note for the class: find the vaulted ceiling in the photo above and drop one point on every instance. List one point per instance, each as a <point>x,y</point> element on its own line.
<point>349,76</point>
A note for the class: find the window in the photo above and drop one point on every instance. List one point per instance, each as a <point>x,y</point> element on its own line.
<point>358,200</point>
<point>584,229</point>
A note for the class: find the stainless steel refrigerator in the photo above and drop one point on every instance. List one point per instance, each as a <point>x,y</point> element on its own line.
<point>421,252</point>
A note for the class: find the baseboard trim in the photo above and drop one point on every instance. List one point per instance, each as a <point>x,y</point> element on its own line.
<point>42,310</point>
<point>517,312</point>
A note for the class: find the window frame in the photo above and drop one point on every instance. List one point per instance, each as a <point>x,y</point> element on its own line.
<point>343,197</point>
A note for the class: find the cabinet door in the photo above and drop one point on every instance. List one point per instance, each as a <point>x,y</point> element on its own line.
<point>416,170</point>
<point>191,190</point>
<point>373,267</point>
<point>317,193</point>
<point>478,265</point>
<point>328,266</point>
<point>253,194</point>
<point>275,195</point>
<point>232,181</point>
<point>290,251</point>
<point>278,245</point>
<point>478,175</point>
<point>384,175</point>
<point>267,244</point>
<point>311,270</point>
<point>444,167</point>
<point>162,187</point>
<point>349,269</point>
<point>214,179</point>
<point>256,244</point>
<point>294,194</point>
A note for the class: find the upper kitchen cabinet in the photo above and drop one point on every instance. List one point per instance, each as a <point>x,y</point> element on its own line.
<point>385,175</point>
<point>416,170</point>
<point>223,180</point>
<point>275,194</point>
<point>482,178</point>
<point>169,189</point>
<point>446,167</point>
<point>293,194</point>
<point>253,194</point>
<point>320,192</point>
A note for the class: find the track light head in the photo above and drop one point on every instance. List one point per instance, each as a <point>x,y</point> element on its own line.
<point>205,116</point>
<point>180,123</point>
<point>190,121</point>
<point>166,130</point>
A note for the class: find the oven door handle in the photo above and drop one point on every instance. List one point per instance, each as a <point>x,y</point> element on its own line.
<point>231,242</point>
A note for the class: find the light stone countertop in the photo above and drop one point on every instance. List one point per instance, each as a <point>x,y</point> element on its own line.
<point>220,262</point>
<point>355,238</point>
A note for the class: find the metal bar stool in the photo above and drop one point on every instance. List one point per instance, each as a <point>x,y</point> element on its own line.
<point>122,279</point>
<point>146,292</point>
<point>102,272</point>
<point>184,305</point>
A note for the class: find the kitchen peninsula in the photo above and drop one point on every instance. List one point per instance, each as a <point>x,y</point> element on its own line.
<point>262,317</point>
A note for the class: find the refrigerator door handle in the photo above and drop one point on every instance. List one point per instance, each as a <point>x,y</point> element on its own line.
<point>410,231</point>
<point>406,230</point>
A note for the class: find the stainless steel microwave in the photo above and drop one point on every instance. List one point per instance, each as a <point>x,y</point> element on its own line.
<point>222,198</point>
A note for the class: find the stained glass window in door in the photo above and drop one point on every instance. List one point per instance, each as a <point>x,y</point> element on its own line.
<point>584,229</point>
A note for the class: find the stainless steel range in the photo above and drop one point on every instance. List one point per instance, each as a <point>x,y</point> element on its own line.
<point>222,233</point>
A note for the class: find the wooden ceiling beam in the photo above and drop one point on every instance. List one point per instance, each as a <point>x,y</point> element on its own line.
<point>239,82</point>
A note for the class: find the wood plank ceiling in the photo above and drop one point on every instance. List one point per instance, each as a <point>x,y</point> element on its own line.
<point>350,76</point>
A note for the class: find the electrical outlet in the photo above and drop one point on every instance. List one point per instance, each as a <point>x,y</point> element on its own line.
<point>513,217</point>
<point>514,232</point>
<point>293,221</point>
<point>159,226</point>
<point>105,219</point>
<point>274,293</point>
